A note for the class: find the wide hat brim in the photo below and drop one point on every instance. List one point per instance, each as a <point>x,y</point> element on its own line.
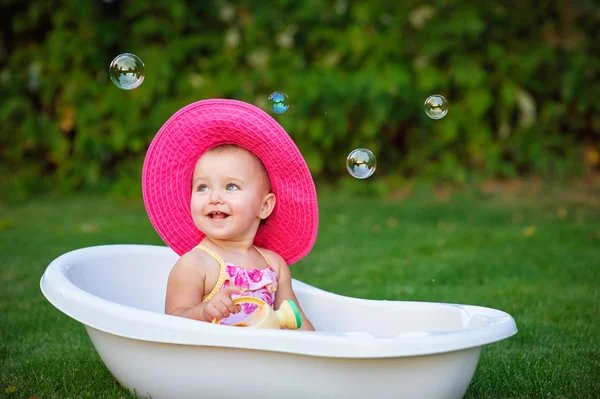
<point>290,230</point>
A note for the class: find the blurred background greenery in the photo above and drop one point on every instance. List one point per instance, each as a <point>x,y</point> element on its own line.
<point>521,79</point>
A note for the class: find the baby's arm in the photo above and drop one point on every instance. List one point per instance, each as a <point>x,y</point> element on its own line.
<point>185,289</point>
<point>285,291</point>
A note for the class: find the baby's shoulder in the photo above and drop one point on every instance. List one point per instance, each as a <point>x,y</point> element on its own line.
<point>197,261</point>
<point>276,261</point>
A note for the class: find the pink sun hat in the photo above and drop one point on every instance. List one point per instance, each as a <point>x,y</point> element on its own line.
<point>290,230</point>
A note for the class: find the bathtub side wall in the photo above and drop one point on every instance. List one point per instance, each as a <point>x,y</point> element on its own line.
<point>135,277</point>
<point>183,371</point>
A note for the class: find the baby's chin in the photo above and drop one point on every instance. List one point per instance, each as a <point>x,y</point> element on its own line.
<point>215,232</point>
<point>219,232</point>
<point>217,236</point>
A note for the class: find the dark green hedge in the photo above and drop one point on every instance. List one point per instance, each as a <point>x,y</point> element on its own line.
<point>521,79</point>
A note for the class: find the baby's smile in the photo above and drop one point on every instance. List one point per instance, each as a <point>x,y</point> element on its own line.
<point>217,215</point>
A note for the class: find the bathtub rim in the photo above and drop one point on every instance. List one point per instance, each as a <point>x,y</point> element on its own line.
<point>140,324</point>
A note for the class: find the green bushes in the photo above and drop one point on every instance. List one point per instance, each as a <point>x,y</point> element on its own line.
<point>521,82</point>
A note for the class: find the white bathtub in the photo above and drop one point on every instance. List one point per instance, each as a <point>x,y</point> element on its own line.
<point>363,348</point>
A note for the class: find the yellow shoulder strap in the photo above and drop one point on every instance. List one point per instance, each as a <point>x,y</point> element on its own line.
<point>263,255</point>
<point>222,273</point>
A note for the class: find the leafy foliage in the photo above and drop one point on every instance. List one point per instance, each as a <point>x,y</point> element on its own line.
<point>519,77</point>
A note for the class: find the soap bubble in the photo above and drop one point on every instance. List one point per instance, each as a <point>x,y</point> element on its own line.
<point>436,106</point>
<point>278,102</point>
<point>127,71</point>
<point>361,163</point>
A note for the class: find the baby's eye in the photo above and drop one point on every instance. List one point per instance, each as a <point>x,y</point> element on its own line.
<point>202,187</point>
<point>232,187</point>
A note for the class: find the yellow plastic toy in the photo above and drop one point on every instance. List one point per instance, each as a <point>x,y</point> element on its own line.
<point>287,316</point>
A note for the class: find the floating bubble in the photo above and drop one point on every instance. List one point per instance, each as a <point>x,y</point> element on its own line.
<point>127,71</point>
<point>278,102</point>
<point>436,106</point>
<point>361,163</point>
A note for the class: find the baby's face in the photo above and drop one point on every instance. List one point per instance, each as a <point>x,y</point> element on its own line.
<point>229,195</point>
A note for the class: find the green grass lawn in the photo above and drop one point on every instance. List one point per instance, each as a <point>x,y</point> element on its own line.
<point>535,256</point>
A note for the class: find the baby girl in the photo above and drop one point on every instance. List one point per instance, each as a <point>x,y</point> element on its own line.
<point>226,188</point>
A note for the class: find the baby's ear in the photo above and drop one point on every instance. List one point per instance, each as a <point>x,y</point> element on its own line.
<point>267,206</point>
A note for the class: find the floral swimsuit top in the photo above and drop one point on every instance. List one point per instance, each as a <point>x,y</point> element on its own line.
<point>259,283</point>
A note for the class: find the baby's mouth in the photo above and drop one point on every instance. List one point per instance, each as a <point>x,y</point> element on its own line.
<point>217,215</point>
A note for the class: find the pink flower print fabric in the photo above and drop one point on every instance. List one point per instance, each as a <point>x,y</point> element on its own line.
<point>249,308</point>
<point>261,284</point>
<point>255,275</point>
<point>239,278</point>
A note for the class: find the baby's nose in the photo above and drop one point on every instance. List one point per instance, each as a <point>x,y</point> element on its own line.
<point>215,196</point>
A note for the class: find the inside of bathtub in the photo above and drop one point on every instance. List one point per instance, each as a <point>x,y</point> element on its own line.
<point>138,280</point>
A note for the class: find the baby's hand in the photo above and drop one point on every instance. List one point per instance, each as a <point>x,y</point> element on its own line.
<point>221,305</point>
